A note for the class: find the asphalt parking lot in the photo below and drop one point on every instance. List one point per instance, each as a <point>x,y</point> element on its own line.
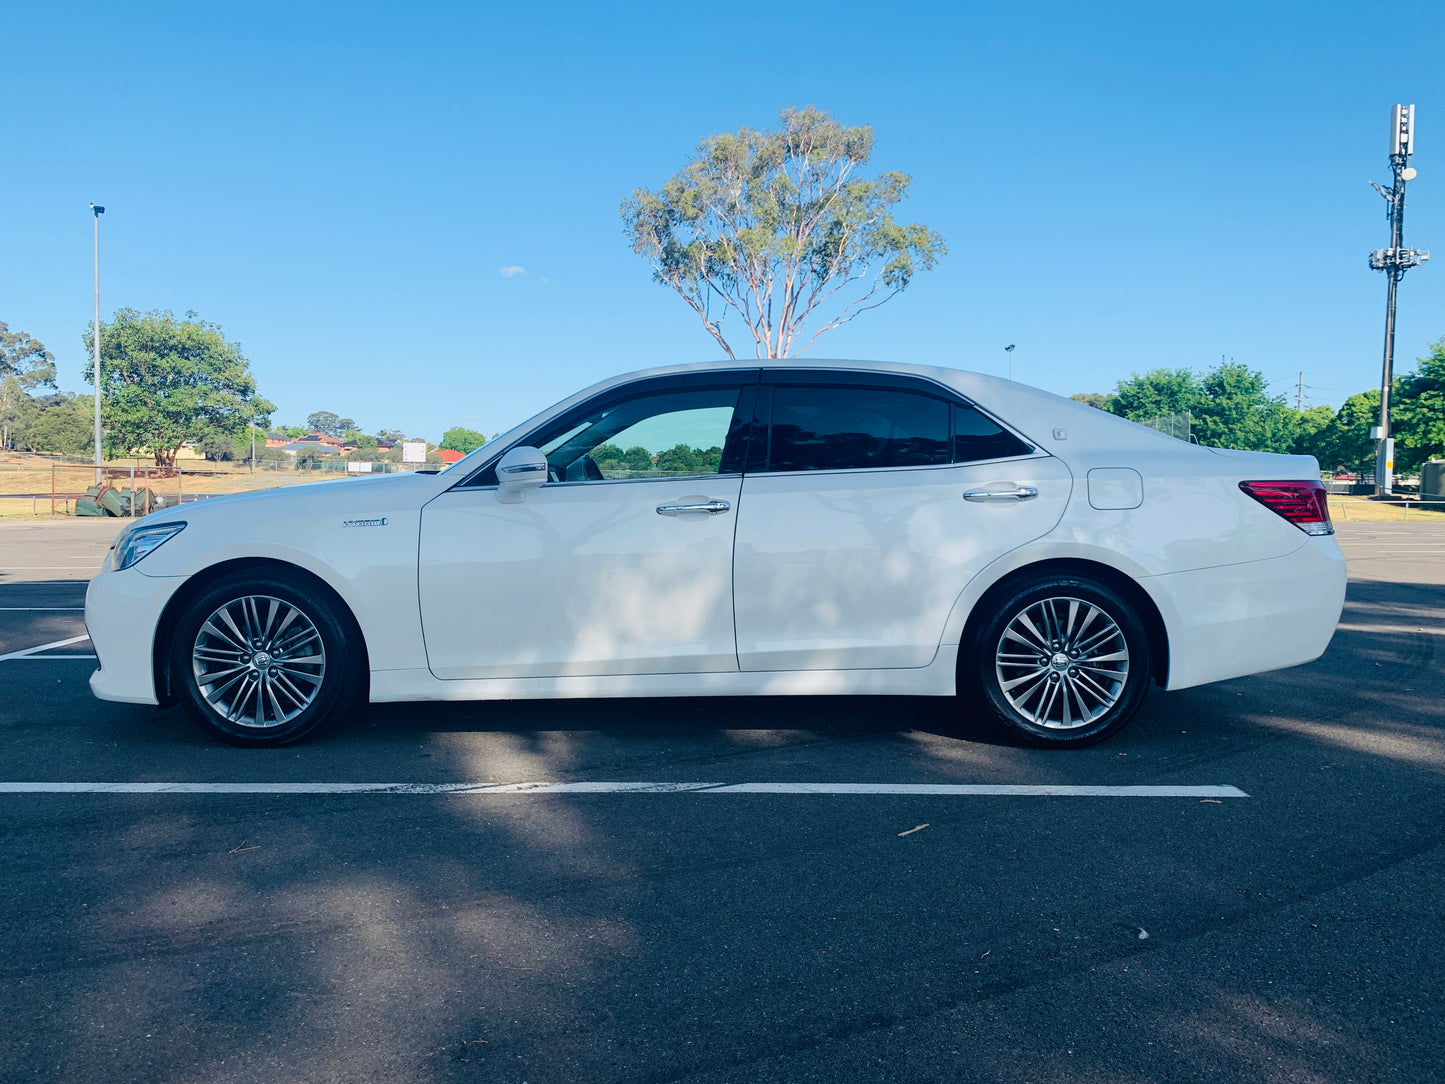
<point>910,929</point>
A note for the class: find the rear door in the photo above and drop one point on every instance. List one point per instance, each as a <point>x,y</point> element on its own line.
<point>868,505</point>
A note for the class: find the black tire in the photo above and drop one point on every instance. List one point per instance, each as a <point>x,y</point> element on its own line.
<point>300,669</point>
<point>1061,662</point>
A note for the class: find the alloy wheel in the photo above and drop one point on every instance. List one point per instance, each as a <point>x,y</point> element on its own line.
<point>1062,663</point>
<point>258,661</point>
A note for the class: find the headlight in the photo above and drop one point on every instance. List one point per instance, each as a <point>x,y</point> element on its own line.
<point>137,543</point>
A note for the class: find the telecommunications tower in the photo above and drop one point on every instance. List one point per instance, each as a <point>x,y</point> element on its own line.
<point>1394,261</point>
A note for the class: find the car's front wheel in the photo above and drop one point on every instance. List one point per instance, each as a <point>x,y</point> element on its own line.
<point>1061,661</point>
<point>262,660</point>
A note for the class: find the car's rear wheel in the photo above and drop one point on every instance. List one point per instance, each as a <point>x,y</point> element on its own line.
<point>262,660</point>
<point>1061,661</point>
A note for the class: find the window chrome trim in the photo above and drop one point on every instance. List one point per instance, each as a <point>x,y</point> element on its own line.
<point>595,482</point>
<point>1035,454</point>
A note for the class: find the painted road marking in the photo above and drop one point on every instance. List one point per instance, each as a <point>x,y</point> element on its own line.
<point>27,652</point>
<point>47,658</point>
<point>991,790</point>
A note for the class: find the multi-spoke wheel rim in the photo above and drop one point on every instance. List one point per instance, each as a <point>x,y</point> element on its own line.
<point>1062,663</point>
<point>258,661</point>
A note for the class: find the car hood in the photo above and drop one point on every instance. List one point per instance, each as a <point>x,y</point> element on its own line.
<point>395,491</point>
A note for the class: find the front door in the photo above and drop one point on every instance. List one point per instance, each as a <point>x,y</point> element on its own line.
<point>622,564</point>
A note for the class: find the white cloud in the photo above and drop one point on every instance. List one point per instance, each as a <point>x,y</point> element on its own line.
<point>512,270</point>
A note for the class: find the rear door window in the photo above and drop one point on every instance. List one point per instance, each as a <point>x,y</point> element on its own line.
<point>818,427</point>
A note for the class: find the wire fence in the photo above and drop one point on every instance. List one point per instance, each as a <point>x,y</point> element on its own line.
<point>78,487</point>
<point>1180,426</point>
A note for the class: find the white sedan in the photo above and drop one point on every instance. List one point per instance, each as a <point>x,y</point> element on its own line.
<point>813,528</point>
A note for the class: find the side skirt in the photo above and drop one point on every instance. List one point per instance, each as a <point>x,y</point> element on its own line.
<point>935,679</point>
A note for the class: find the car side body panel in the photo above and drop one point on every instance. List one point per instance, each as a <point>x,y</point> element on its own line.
<point>1238,589</point>
<point>859,569</point>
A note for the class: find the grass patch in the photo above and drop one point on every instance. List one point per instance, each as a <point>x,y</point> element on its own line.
<point>1364,510</point>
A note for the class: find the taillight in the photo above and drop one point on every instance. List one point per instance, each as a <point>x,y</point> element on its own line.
<point>1302,503</point>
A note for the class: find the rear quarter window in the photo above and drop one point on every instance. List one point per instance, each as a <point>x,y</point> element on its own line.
<point>976,436</point>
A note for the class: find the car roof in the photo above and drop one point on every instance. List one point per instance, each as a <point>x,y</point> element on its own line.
<point>1053,423</point>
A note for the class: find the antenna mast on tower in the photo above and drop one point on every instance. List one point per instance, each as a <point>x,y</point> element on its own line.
<point>1394,261</point>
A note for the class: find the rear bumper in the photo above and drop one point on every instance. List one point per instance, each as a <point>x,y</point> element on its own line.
<point>1245,619</point>
<point>122,610</point>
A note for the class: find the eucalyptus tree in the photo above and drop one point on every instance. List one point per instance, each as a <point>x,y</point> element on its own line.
<point>777,229</point>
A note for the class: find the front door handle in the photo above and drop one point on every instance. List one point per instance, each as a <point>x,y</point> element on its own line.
<point>1001,496</point>
<point>705,508</point>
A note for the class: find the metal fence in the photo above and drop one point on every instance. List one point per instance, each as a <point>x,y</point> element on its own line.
<point>142,487</point>
<point>1175,425</point>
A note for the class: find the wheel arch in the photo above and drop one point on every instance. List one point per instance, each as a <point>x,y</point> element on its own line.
<point>176,605</point>
<point>1140,599</point>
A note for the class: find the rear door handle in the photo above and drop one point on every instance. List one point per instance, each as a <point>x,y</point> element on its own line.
<point>1001,496</point>
<point>705,508</point>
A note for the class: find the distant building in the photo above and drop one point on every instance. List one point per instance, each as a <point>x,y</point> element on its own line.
<point>307,446</point>
<point>450,455</point>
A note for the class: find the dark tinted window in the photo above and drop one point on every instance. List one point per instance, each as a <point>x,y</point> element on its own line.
<point>823,428</point>
<point>976,437</point>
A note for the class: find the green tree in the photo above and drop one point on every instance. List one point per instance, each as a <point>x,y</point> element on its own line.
<point>25,367</point>
<point>165,381</point>
<point>1311,427</point>
<point>1346,443</point>
<point>25,359</point>
<point>679,459</point>
<point>390,436</point>
<point>775,228</point>
<point>1235,410</point>
<point>1157,393</point>
<point>17,408</point>
<point>1417,412</point>
<point>462,440</point>
<point>637,458</point>
<point>1094,399</point>
<point>329,424</point>
<point>64,424</point>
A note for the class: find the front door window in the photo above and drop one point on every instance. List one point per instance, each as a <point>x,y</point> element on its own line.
<point>668,435</point>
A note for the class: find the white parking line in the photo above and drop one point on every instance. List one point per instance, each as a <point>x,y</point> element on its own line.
<point>27,652</point>
<point>990,790</point>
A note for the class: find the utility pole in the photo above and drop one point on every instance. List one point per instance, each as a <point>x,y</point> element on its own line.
<point>98,211</point>
<point>1394,261</point>
<point>1299,396</point>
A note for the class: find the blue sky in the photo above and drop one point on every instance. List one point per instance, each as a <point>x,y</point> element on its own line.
<point>339,186</point>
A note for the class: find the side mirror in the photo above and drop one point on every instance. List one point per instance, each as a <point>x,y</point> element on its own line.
<point>518,472</point>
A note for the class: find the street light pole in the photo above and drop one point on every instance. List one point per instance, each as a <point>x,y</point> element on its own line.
<point>1009,350</point>
<point>98,211</point>
<point>1394,261</point>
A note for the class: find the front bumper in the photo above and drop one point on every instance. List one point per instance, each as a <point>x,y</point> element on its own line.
<point>122,611</point>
